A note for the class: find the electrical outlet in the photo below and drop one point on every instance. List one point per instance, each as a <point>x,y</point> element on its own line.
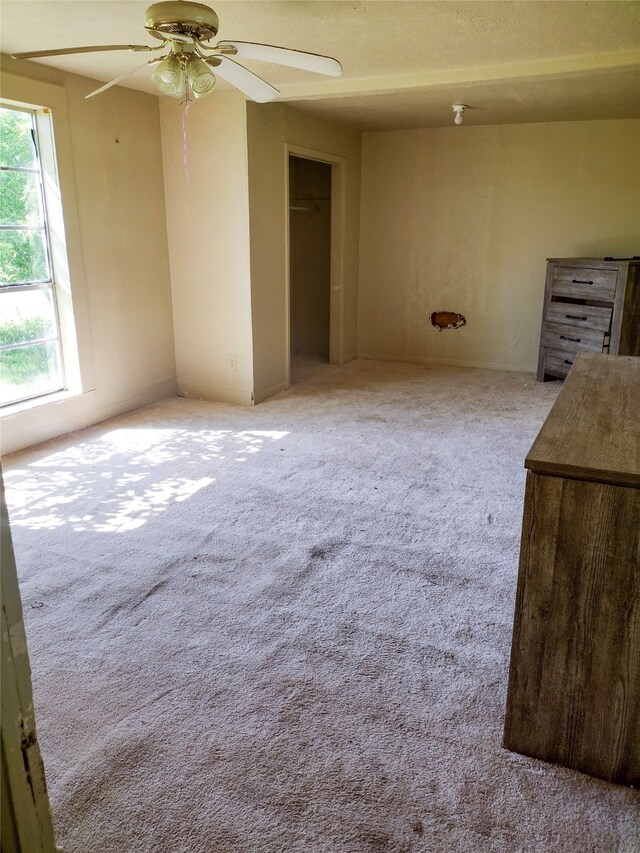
<point>232,363</point>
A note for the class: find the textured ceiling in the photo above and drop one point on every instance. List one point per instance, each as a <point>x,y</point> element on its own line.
<point>404,63</point>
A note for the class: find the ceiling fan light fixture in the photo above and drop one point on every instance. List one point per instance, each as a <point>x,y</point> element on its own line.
<point>201,77</point>
<point>183,26</point>
<point>169,77</point>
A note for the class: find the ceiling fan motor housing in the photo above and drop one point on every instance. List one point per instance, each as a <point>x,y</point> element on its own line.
<point>181,18</point>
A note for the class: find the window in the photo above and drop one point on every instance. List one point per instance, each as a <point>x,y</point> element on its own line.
<point>31,363</point>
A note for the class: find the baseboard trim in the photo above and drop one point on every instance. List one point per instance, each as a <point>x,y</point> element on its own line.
<point>449,362</point>
<point>216,395</point>
<point>261,396</point>
<point>350,356</point>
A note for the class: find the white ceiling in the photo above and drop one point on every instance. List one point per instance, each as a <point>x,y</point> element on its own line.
<point>404,63</point>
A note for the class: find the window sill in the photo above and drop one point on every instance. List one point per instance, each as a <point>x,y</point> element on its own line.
<point>36,402</point>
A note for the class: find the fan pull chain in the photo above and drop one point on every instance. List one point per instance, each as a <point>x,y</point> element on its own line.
<point>186,106</point>
<point>185,113</point>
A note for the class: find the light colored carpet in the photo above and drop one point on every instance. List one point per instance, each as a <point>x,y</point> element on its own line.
<point>287,628</point>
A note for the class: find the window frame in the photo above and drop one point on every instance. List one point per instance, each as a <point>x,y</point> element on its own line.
<point>50,100</point>
<point>40,127</point>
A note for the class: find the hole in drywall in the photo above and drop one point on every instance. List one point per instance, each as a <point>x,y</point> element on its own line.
<point>447,320</point>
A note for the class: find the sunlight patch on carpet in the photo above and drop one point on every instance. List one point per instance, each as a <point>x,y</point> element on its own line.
<point>48,492</point>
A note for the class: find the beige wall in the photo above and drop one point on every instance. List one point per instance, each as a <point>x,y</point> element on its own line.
<point>270,129</point>
<point>462,219</point>
<point>208,233</point>
<point>110,165</point>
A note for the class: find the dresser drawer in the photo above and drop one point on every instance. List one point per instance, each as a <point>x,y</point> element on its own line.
<point>558,362</point>
<point>582,316</point>
<point>584,283</point>
<point>560,336</point>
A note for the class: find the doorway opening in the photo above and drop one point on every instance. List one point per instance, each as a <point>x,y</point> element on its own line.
<point>309,263</point>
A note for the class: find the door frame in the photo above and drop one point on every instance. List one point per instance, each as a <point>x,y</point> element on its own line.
<point>338,236</point>
<point>26,814</point>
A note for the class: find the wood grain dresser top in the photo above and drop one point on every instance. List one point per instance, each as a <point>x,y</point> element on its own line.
<point>593,263</point>
<point>593,430</point>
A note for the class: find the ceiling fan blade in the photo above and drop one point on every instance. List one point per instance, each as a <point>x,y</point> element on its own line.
<point>246,81</point>
<point>126,74</point>
<point>282,56</point>
<point>64,51</point>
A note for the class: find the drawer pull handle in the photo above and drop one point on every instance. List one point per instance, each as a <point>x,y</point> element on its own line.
<point>577,281</point>
<point>565,338</point>
<point>566,361</point>
<point>574,317</point>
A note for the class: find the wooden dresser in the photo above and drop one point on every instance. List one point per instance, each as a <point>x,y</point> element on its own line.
<point>574,680</point>
<point>589,305</point>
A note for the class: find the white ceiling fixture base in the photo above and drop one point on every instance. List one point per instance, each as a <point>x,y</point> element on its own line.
<point>458,109</point>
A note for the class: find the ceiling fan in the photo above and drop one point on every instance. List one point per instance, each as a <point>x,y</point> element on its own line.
<point>186,70</point>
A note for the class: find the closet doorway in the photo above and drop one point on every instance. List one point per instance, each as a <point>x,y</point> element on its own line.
<point>309,262</point>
